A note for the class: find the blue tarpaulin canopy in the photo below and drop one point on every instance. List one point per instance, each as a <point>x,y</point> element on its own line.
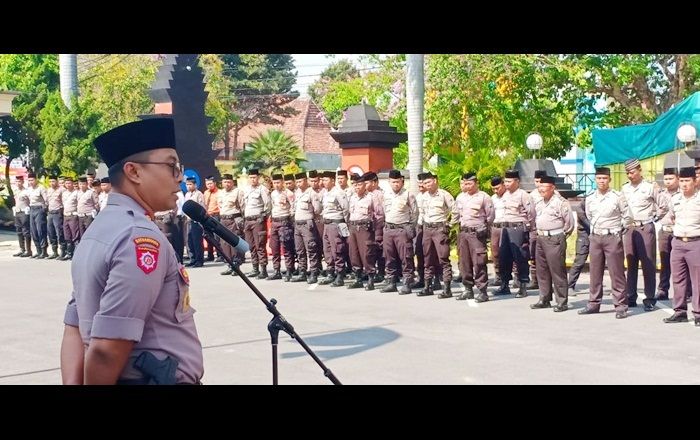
<point>615,145</point>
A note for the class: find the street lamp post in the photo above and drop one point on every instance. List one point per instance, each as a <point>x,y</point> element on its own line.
<point>687,135</point>
<point>534,143</point>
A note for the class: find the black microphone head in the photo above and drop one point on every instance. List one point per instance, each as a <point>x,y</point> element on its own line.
<point>195,211</point>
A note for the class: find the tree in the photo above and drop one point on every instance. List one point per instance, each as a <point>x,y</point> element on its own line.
<point>36,77</point>
<point>340,71</point>
<point>271,151</point>
<point>261,85</point>
<point>18,141</point>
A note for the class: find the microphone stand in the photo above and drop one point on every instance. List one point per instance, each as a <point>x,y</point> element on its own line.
<point>277,323</point>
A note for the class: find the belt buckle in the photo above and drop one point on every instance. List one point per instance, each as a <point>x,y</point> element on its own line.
<point>685,239</point>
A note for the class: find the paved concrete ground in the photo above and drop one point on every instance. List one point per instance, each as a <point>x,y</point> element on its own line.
<point>366,337</point>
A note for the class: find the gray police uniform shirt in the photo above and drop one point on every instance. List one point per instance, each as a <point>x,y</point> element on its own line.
<point>128,284</point>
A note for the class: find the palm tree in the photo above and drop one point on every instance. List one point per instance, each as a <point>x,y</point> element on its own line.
<point>414,109</point>
<point>270,151</point>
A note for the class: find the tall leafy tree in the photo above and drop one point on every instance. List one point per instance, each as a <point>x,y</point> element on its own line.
<point>271,151</point>
<point>261,85</point>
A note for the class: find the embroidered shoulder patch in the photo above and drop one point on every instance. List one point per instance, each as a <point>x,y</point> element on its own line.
<point>146,253</point>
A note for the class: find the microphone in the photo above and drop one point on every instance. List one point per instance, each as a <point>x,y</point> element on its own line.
<point>196,212</point>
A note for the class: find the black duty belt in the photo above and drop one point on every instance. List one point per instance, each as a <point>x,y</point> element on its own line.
<point>231,216</point>
<point>255,217</point>
<point>359,222</point>
<point>56,211</point>
<point>284,219</point>
<point>512,224</point>
<point>329,221</point>
<point>302,222</point>
<point>497,224</point>
<point>434,225</point>
<point>469,229</point>
<point>687,239</point>
<point>396,226</point>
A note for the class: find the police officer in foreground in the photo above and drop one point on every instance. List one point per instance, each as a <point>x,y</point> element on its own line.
<point>129,320</point>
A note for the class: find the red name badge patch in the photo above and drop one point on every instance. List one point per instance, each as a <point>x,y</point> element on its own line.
<point>146,253</point>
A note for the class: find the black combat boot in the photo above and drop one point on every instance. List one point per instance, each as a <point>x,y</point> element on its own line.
<point>21,247</point>
<point>299,278</point>
<point>357,284</point>
<point>483,296</point>
<point>391,286</point>
<point>407,285</point>
<point>27,248</point>
<point>63,251</point>
<point>54,252</point>
<point>253,273</point>
<point>339,279</point>
<point>427,289</point>
<point>276,275</point>
<point>330,277</point>
<point>467,294</point>
<point>446,292</point>
<point>313,277</point>
<point>504,290</point>
<point>522,291</point>
<point>263,273</point>
<point>370,284</point>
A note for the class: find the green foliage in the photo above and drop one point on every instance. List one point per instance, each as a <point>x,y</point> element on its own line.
<point>68,134</point>
<point>271,151</point>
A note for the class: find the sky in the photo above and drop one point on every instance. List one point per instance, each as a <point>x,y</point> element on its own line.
<point>310,66</point>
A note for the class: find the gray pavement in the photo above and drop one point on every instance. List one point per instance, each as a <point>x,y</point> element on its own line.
<point>366,337</point>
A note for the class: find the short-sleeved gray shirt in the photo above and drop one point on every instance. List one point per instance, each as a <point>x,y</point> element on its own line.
<point>128,284</point>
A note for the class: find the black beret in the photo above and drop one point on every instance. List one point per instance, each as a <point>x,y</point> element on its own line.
<point>289,177</point>
<point>82,179</point>
<point>53,176</point>
<point>540,174</point>
<point>423,176</point>
<point>342,172</point>
<point>104,180</point>
<point>31,175</point>
<point>96,182</point>
<point>191,179</point>
<point>300,176</point>
<point>329,174</point>
<point>210,178</point>
<point>227,176</point>
<point>395,174</point>
<point>135,137</point>
<point>547,179</point>
<point>370,175</point>
<point>687,172</point>
<point>354,177</point>
<point>496,181</point>
<point>602,171</point>
<point>19,177</point>
<point>512,174</point>
<point>277,177</point>
<point>669,171</point>
<point>68,179</point>
<point>313,173</point>
<point>469,176</point>
<point>254,172</point>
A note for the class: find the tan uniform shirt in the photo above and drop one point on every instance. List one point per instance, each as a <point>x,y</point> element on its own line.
<point>211,202</point>
<point>435,208</point>
<point>518,207</point>
<point>38,196</point>
<point>554,214</point>
<point>230,202</point>
<point>21,200</point>
<point>88,203</point>
<point>307,205</point>
<point>70,201</point>
<point>685,212</point>
<point>400,208</point>
<point>608,211</point>
<point>365,208</point>
<point>644,201</point>
<point>666,196</point>
<point>55,198</point>
<point>473,210</point>
<point>335,205</point>
<point>256,201</point>
<point>282,203</point>
<point>499,208</point>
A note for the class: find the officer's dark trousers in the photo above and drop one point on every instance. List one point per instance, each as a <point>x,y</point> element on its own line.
<point>514,247</point>
<point>37,226</point>
<point>685,260</point>
<point>582,246</point>
<point>640,245</point>
<point>194,243</point>
<point>55,227</point>
<point>282,241</point>
<point>551,268</point>
<point>22,225</point>
<point>71,229</point>
<point>177,239</point>
<point>308,245</point>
